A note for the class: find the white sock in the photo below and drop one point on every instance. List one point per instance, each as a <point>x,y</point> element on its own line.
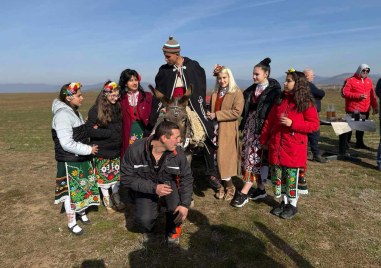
<point>83,216</point>
<point>226,179</point>
<point>70,213</point>
<point>285,199</point>
<point>72,221</point>
<point>293,201</point>
<point>105,192</point>
<point>67,205</point>
<point>77,229</point>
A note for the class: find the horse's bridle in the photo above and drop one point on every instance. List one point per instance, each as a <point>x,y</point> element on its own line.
<point>176,110</point>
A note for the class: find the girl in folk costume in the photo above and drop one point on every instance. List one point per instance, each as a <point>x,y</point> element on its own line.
<point>285,133</point>
<point>259,98</point>
<point>76,185</point>
<point>226,108</point>
<point>104,126</point>
<point>136,108</point>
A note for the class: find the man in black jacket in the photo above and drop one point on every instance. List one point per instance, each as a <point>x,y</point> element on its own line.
<point>172,80</point>
<point>156,169</point>
<point>313,138</point>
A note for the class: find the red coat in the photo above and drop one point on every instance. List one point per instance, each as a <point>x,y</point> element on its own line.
<point>353,88</point>
<point>288,145</point>
<point>143,111</point>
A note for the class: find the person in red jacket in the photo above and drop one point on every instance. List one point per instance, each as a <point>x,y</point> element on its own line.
<point>136,108</point>
<point>285,133</point>
<point>359,97</point>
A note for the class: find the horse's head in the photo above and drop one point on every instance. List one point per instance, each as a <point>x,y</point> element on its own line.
<point>175,108</point>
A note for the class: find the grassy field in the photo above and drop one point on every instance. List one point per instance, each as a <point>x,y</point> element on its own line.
<point>338,224</point>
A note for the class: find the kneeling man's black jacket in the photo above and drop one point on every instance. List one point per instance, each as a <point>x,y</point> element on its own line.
<point>138,174</point>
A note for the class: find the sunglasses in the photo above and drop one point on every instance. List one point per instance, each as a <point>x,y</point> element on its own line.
<point>365,71</point>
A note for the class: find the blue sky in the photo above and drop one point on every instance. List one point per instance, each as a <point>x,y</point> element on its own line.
<point>55,42</point>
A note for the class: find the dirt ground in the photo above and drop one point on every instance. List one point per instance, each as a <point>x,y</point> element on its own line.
<point>338,224</point>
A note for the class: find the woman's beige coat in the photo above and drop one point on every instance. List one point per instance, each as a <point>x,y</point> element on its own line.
<point>228,133</point>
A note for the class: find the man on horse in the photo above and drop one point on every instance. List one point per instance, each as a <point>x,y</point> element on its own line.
<point>172,80</point>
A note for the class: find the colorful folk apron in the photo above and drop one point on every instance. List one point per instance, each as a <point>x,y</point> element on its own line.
<point>77,180</point>
<point>252,152</point>
<point>285,181</point>
<point>137,130</point>
<point>107,171</point>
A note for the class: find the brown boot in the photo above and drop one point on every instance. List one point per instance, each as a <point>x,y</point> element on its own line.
<point>230,191</point>
<point>220,193</point>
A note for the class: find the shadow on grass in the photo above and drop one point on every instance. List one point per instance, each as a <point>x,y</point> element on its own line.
<point>209,246</point>
<point>283,246</point>
<point>331,146</point>
<point>93,264</point>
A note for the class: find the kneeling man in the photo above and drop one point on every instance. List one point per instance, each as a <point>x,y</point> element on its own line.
<point>155,168</point>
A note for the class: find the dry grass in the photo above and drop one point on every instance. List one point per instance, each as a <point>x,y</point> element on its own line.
<point>338,223</point>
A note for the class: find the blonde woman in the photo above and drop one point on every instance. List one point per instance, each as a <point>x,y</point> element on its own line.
<point>226,107</point>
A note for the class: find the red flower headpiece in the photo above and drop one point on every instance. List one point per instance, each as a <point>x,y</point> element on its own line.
<point>217,69</point>
<point>73,88</point>
<point>109,86</point>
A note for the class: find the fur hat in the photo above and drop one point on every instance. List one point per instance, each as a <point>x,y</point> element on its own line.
<point>171,46</point>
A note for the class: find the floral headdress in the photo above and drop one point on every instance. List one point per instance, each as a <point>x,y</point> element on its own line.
<point>72,88</point>
<point>291,70</point>
<point>109,86</point>
<point>217,69</point>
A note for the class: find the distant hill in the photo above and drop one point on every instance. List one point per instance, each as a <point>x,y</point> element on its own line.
<point>28,88</point>
<point>336,80</point>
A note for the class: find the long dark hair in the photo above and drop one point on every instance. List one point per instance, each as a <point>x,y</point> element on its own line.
<point>125,76</point>
<point>302,94</point>
<point>107,112</point>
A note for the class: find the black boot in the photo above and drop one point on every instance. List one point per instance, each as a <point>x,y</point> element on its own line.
<point>289,212</point>
<point>278,210</point>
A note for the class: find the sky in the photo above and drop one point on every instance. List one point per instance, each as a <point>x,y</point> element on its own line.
<point>55,42</point>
